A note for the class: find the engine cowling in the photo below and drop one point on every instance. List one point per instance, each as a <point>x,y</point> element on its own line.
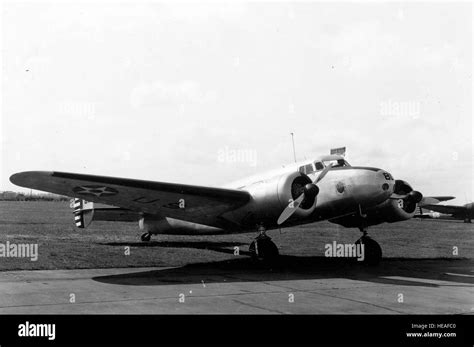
<point>270,197</point>
<point>396,210</point>
<point>389,211</point>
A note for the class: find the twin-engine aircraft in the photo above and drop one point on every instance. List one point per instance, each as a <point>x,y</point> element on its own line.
<point>327,188</point>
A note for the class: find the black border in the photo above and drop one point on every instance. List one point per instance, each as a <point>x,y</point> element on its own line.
<point>236,329</point>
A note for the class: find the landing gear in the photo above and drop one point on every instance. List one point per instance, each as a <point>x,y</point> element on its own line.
<point>372,250</point>
<point>263,247</point>
<point>146,237</point>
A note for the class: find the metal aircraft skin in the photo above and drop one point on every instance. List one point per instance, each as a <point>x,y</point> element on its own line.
<point>452,212</point>
<point>327,188</point>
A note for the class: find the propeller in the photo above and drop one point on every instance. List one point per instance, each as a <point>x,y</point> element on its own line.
<point>408,201</point>
<point>414,196</point>
<point>310,192</point>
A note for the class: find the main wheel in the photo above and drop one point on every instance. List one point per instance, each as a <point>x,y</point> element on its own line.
<point>372,250</point>
<point>146,237</point>
<point>264,249</point>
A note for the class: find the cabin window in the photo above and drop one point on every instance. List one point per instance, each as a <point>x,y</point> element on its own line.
<point>319,165</point>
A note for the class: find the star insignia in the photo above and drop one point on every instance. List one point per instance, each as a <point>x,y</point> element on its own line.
<point>97,191</point>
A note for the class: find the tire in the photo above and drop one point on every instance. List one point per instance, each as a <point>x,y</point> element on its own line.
<point>372,251</point>
<point>146,237</point>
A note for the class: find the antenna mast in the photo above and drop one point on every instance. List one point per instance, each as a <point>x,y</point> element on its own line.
<point>293,140</point>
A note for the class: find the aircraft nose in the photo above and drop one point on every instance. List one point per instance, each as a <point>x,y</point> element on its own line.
<point>385,181</point>
<point>374,186</point>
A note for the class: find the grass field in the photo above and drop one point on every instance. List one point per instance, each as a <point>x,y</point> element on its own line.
<point>62,246</point>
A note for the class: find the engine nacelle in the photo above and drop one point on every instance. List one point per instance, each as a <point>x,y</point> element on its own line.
<point>271,196</point>
<point>392,211</point>
<point>389,211</point>
<point>171,226</point>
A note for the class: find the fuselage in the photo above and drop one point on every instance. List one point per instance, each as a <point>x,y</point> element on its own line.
<point>345,190</point>
<point>465,212</point>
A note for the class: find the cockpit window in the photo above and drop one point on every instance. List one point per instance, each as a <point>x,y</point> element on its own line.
<point>336,163</point>
<point>307,169</point>
<point>320,165</point>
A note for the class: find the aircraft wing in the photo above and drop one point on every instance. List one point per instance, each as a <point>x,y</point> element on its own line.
<point>191,203</point>
<point>447,209</point>
<point>431,200</point>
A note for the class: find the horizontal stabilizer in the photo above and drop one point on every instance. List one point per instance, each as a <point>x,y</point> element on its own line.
<point>85,212</point>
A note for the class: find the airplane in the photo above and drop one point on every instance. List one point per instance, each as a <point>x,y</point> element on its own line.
<point>325,188</point>
<point>465,212</point>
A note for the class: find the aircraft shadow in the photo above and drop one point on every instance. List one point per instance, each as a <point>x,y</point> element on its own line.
<point>413,272</point>
<point>223,247</point>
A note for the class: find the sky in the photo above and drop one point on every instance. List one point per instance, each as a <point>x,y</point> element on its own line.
<point>207,93</point>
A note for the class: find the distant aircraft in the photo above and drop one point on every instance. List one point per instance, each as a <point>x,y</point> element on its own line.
<point>465,212</point>
<point>327,188</point>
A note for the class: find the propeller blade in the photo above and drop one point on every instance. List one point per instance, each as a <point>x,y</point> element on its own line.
<point>290,209</point>
<point>398,196</point>
<point>323,173</point>
<point>413,196</point>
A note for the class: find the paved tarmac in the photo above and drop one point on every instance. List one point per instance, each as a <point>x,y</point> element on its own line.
<point>300,285</point>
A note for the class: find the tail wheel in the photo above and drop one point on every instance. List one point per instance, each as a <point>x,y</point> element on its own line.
<point>372,250</point>
<point>146,237</point>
